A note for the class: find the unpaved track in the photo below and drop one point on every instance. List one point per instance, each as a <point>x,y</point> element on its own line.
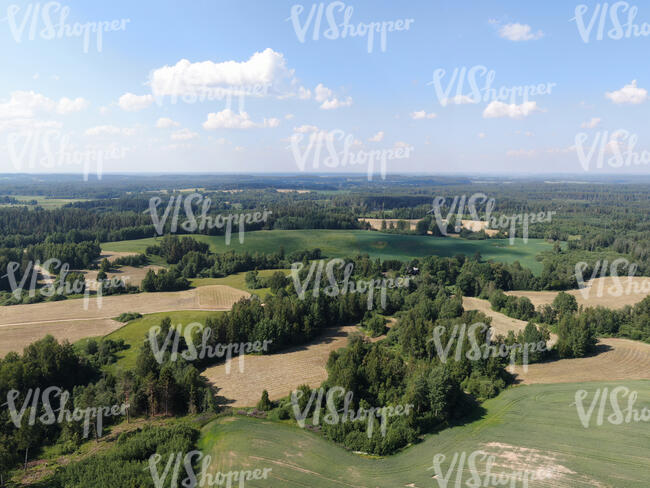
<point>21,325</point>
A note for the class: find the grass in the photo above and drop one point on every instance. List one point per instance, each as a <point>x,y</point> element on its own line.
<point>135,332</point>
<point>340,243</point>
<point>238,281</point>
<point>47,203</point>
<point>526,428</point>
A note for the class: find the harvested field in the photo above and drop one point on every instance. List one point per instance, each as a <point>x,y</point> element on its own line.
<point>21,325</point>
<point>129,274</point>
<point>616,360</point>
<point>278,373</point>
<point>376,223</point>
<point>610,292</point>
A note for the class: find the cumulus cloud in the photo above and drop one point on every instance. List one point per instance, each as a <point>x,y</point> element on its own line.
<point>133,103</point>
<point>519,32</point>
<point>67,105</point>
<point>184,135</point>
<point>327,99</point>
<point>422,115</point>
<point>481,135</point>
<point>305,129</point>
<point>26,104</point>
<point>264,73</point>
<point>101,130</point>
<point>500,109</point>
<point>590,124</point>
<point>631,94</point>
<point>166,123</point>
<point>227,119</point>
<point>378,137</point>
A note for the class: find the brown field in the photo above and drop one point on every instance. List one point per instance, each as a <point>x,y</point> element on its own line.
<point>376,223</point>
<point>501,323</point>
<point>616,359</point>
<point>606,292</point>
<point>473,225</point>
<point>129,274</point>
<point>279,374</point>
<point>21,325</point>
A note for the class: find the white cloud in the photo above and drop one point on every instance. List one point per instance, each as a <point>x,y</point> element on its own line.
<point>305,129</point>
<point>422,115</point>
<point>500,109</point>
<point>457,100</point>
<point>67,105</point>
<point>263,73</point>
<point>166,123</point>
<point>481,135</point>
<point>402,144</point>
<point>378,137</point>
<point>628,94</point>
<point>133,103</point>
<point>327,99</point>
<point>103,110</point>
<point>590,124</point>
<point>519,32</point>
<point>109,130</point>
<point>184,135</point>
<point>227,119</point>
<point>289,116</point>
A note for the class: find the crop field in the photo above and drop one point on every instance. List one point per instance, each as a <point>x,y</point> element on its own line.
<point>238,281</point>
<point>528,429</point>
<point>21,325</point>
<point>242,382</point>
<point>339,243</point>
<point>609,292</point>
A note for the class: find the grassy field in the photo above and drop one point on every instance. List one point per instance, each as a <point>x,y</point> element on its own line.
<point>46,202</point>
<point>134,332</point>
<point>238,281</point>
<point>339,243</point>
<point>527,429</point>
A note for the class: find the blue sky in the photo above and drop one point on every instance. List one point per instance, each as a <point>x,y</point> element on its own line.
<point>58,104</point>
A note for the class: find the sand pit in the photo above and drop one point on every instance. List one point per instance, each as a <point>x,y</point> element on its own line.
<point>75,319</point>
<point>609,292</point>
<point>616,359</point>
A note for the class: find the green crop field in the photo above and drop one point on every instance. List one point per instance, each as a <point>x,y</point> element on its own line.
<point>527,429</point>
<point>339,243</point>
<point>135,332</point>
<point>238,280</point>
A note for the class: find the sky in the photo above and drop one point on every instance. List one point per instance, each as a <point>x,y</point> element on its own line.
<point>264,86</point>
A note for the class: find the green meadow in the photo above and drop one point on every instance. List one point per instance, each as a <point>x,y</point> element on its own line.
<point>340,243</point>
<point>135,332</point>
<point>530,429</point>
